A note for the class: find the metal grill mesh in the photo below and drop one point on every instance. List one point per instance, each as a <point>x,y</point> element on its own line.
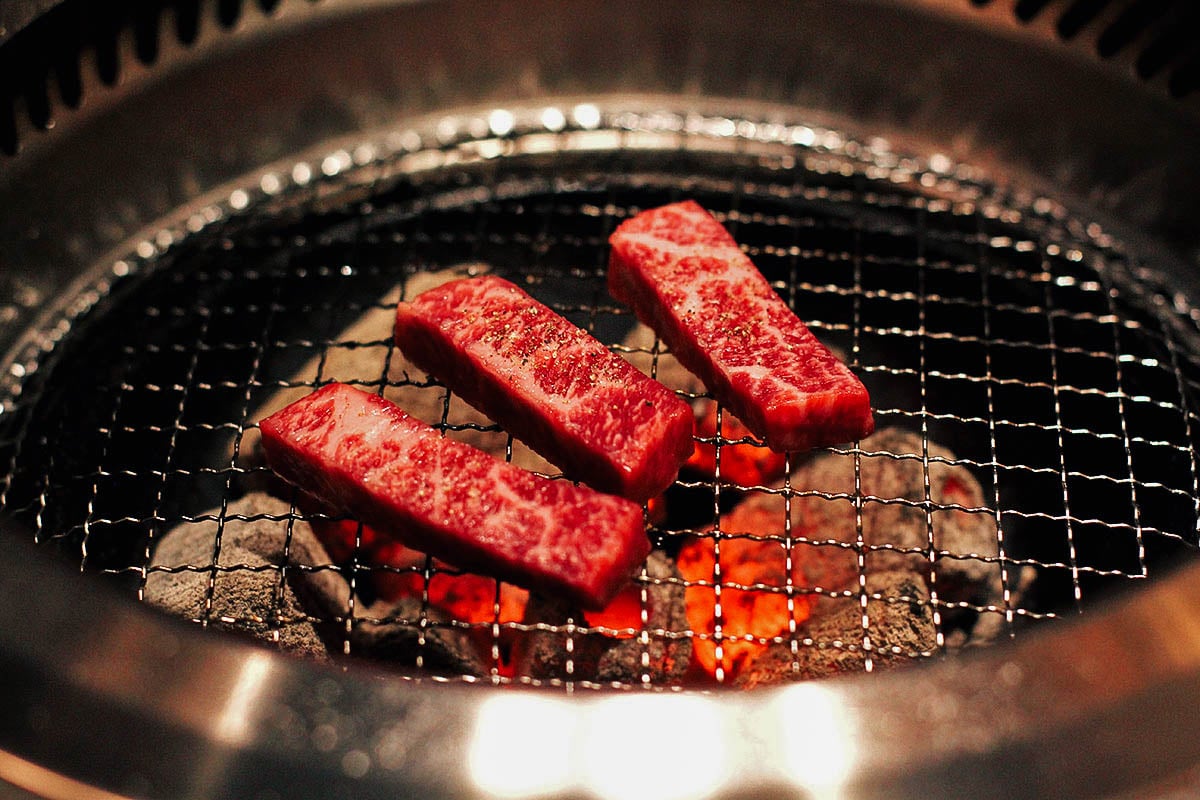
<point>1050,360</point>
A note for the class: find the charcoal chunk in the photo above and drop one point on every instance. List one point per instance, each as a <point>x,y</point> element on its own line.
<point>612,656</point>
<point>270,578</point>
<point>392,632</point>
<point>957,539</point>
<point>899,624</point>
<point>638,348</point>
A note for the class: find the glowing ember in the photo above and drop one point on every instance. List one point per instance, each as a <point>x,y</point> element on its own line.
<point>624,612</point>
<point>465,596</point>
<point>627,642</point>
<point>744,464</point>
<point>656,509</point>
<point>397,571</point>
<point>747,614</point>
<point>340,537</point>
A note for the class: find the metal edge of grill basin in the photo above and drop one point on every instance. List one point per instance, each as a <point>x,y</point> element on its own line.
<point>910,259</point>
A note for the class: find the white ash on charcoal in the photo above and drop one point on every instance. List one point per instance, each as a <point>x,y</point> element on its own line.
<point>248,590</point>
<point>392,632</point>
<point>612,657</point>
<point>356,364</point>
<point>899,626</point>
<point>638,349</point>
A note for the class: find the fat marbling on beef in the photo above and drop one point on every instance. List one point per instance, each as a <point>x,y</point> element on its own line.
<point>365,456</point>
<point>685,276</point>
<point>549,383</point>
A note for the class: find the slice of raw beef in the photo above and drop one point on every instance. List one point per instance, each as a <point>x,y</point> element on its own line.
<point>366,457</point>
<point>549,384</point>
<point>684,275</point>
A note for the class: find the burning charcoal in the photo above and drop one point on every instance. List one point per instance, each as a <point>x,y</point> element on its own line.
<point>754,602</point>
<point>247,593</point>
<point>894,530</point>
<point>741,464</point>
<point>357,363</point>
<point>391,631</point>
<point>899,624</point>
<point>817,563</point>
<point>607,658</point>
<point>389,628</point>
<point>392,571</point>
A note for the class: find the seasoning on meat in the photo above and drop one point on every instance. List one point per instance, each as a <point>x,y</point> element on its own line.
<point>685,276</point>
<point>366,457</point>
<point>550,384</point>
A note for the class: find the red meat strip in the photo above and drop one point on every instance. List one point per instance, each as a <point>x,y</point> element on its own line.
<point>364,456</point>
<point>685,277</point>
<point>550,384</point>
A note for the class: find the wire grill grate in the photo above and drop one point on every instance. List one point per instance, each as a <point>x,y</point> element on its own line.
<point>1057,369</point>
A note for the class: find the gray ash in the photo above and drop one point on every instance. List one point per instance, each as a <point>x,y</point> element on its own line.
<point>244,585</point>
<point>899,627</point>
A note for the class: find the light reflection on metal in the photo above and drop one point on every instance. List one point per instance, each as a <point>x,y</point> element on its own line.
<point>587,116</point>
<point>553,119</point>
<point>501,122</point>
<point>529,746</point>
<point>521,746</point>
<point>645,733</point>
<point>817,741</point>
<point>234,723</point>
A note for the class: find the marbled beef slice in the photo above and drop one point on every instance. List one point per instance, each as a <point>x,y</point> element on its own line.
<point>549,383</point>
<point>366,457</point>
<point>684,275</point>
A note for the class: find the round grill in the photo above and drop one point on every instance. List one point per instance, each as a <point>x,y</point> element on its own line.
<point>1018,343</point>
